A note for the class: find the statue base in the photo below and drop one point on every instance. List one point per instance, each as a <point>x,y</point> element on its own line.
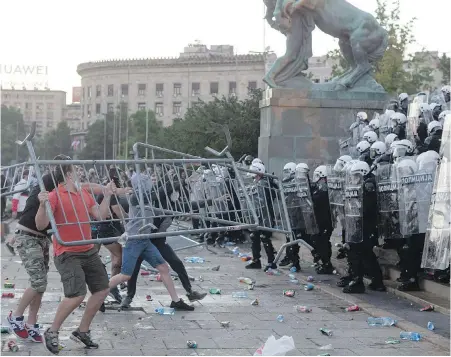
<point>302,125</point>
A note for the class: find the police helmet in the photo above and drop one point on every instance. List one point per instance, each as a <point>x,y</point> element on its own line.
<point>370,136</point>
<point>258,167</point>
<point>377,149</point>
<point>363,146</point>
<point>442,116</point>
<point>257,161</point>
<point>319,173</point>
<point>403,96</point>
<point>433,126</point>
<point>289,170</point>
<point>302,169</point>
<point>446,89</point>
<point>398,119</point>
<point>360,167</point>
<point>341,162</point>
<point>362,116</point>
<point>389,139</point>
<point>375,124</point>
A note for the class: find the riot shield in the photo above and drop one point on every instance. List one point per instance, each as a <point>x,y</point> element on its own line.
<point>415,117</point>
<point>335,184</point>
<point>415,191</point>
<point>345,146</point>
<point>258,193</point>
<point>384,129</point>
<point>305,195</point>
<point>437,243</point>
<point>387,197</point>
<point>353,207</point>
<point>293,202</point>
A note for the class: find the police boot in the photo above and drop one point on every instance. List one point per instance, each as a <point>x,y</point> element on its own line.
<point>325,269</point>
<point>254,264</point>
<point>287,260</point>
<point>344,281</point>
<point>354,287</point>
<point>377,286</point>
<point>409,285</point>
<point>272,266</point>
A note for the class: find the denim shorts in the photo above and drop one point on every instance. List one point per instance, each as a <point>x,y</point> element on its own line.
<point>136,248</point>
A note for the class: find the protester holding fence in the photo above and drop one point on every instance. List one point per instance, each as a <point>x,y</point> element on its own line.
<point>20,197</point>
<point>78,265</point>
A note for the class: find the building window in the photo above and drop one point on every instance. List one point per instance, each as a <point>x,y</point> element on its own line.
<point>142,89</point>
<point>124,89</point>
<point>326,80</point>
<point>50,115</point>
<point>110,90</point>
<point>110,107</point>
<point>195,89</point>
<point>89,92</point>
<point>177,108</point>
<point>159,89</point>
<point>39,107</point>
<point>316,80</point>
<point>49,124</point>
<point>214,88</point>
<point>98,91</point>
<point>28,105</point>
<point>252,85</point>
<point>159,109</point>
<point>177,89</point>
<point>141,106</point>
<point>232,88</point>
<point>88,109</point>
<point>97,108</point>
<point>50,106</point>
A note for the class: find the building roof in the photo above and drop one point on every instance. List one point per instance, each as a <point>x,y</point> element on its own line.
<point>205,59</point>
<point>33,90</point>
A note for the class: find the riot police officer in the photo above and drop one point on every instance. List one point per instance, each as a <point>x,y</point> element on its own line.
<point>446,91</point>
<point>398,125</point>
<point>266,218</point>
<point>434,139</point>
<point>361,223</point>
<point>248,160</point>
<point>363,148</point>
<point>323,217</point>
<point>403,100</point>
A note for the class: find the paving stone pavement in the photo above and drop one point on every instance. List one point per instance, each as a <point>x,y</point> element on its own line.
<point>146,333</point>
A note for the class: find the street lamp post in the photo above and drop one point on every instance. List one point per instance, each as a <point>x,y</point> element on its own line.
<point>147,129</point>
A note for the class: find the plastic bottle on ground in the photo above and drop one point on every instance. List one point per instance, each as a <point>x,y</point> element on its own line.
<point>412,336</point>
<point>165,311</point>
<point>240,295</point>
<point>381,321</point>
<point>280,318</point>
<point>431,326</point>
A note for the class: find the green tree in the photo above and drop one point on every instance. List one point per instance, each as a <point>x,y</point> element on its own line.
<point>444,67</point>
<point>397,71</point>
<point>12,128</point>
<point>139,122</point>
<point>96,141</point>
<point>55,142</point>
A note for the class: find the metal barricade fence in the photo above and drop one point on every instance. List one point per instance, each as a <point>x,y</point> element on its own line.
<point>12,175</point>
<point>159,195</point>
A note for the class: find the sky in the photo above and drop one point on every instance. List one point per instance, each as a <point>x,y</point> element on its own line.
<point>61,34</point>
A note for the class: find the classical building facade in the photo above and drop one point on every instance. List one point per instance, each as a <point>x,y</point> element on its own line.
<point>72,116</point>
<point>45,107</point>
<point>168,86</point>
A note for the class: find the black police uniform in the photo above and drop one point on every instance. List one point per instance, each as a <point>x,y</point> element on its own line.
<point>323,217</point>
<point>361,256</point>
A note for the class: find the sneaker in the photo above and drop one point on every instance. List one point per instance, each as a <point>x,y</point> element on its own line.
<point>195,296</point>
<point>181,305</point>
<point>123,286</point>
<point>83,337</point>
<point>52,341</point>
<point>17,326</point>
<point>34,335</point>
<point>377,286</point>
<point>285,261</point>
<point>114,293</point>
<point>354,288</point>
<point>270,266</point>
<point>10,248</point>
<point>126,302</point>
<point>255,264</point>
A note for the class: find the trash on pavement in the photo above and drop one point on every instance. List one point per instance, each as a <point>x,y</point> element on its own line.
<point>381,321</point>
<point>158,278</point>
<point>240,295</point>
<point>254,302</point>
<point>201,278</point>
<point>273,347</point>
<point>225,323</point>
<point>289,293</point>
<point>392,341</point>
<point>309,287</point>
<point>353,308</point>
<point>326,347</point>
<point>148,298</point>
<point>246,259</point>
<point>7,295</point>
<point>251,287</point>
<point>165,311</point>
<point>272,272</point>
<point>194,260</point>
<point>236,250</point>
<point>300,308</point>
<point>280,318</point>
<point>6,329</point>
<point>431,326</point>
<point>324,354</point>
<point>310,279</point>
<point>13,346</point>
<point>9,285</point>
<point>82,305</point>
<point>247,281</point>
<point>145,273</point>
<point>292,276</point>
<point>215,291</point>
<point>216,268</point>
<point>230,244</point>
<point>191,344</point>
<point>428,308</point>
<point>293,270</point>
<point>412,336</point>
<point>325,331</point>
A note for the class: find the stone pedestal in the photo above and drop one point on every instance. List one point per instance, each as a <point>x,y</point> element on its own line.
<point>306,126</point>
